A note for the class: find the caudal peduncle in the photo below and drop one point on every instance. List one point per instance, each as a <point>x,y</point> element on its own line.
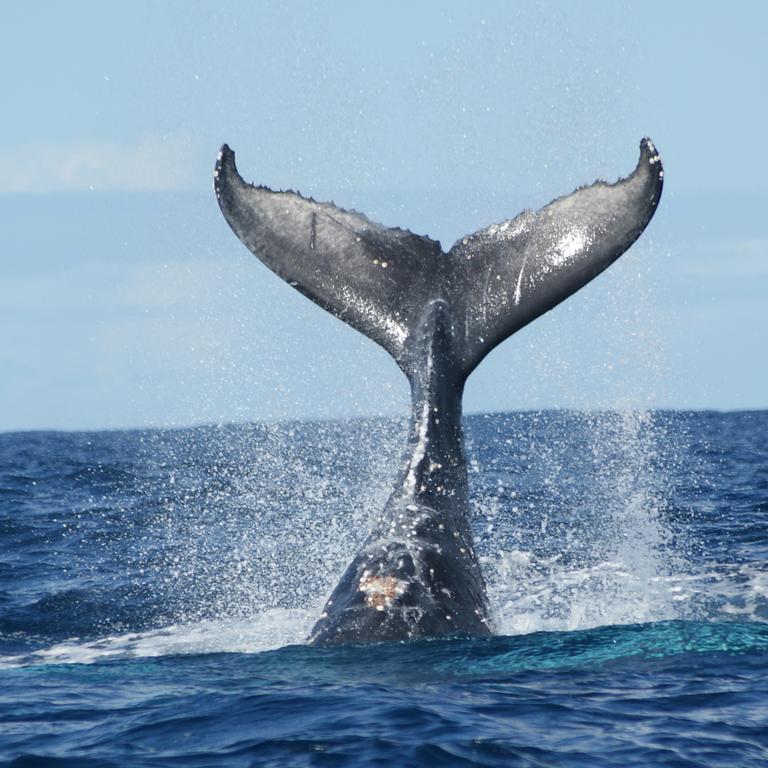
<point>435,466</point>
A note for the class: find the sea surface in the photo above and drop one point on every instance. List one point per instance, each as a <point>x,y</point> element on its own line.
<point>156,588</point>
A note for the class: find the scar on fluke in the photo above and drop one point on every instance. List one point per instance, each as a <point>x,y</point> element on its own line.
<point>312,231</point>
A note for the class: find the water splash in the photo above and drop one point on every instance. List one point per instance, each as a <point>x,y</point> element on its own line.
<point>266,517</point>
<point>572,537</point>
<point>582,520</point>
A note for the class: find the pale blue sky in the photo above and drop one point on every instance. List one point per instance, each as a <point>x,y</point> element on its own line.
<point>125,300</point>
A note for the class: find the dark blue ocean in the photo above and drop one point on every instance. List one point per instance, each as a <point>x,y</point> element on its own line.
<point>156,587</point>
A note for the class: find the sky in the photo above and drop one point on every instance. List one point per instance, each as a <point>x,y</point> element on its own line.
<point>126,301</point>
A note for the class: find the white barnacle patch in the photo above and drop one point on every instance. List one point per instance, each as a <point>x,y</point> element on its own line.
<point>381,591</point>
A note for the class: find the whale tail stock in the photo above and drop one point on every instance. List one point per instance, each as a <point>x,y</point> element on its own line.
<point>379,280</point>
<point>438,314</point>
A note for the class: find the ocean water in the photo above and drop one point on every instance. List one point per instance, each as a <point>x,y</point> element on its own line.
<point>156,588</point>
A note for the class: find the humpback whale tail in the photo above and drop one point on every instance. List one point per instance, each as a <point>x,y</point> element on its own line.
<point>437,314</point>
<point>495,281</point>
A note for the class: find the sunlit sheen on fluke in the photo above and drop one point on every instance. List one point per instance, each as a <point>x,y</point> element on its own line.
<point>438,314</point>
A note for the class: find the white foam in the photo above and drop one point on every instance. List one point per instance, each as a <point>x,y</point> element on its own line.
<point>272,629</point>
<point>529,594</point>
<point>534,595</point>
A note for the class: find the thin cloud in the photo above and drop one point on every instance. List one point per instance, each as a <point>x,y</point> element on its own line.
<point>154,163</point>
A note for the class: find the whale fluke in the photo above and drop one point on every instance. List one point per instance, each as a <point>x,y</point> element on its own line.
<point>495,281</point>
<point>438,314</point>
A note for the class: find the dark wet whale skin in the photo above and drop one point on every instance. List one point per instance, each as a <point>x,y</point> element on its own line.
<point>417,573</point>
<point>438,315</point>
